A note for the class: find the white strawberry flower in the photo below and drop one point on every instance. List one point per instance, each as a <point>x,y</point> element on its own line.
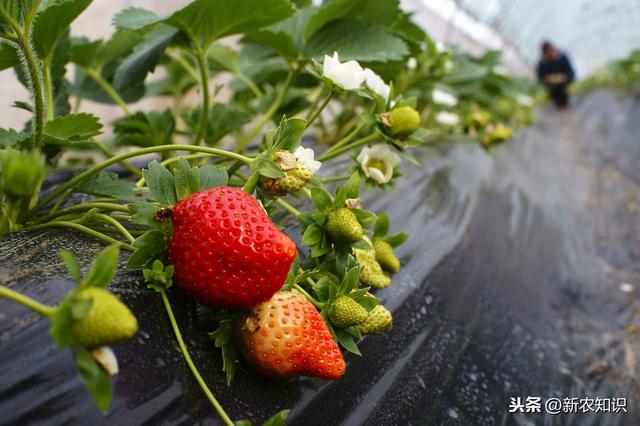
<point>447,118</point>
<point>443,98</point>
<point>348,75</point>
<point>440,46</point>
<point>377,162</point>
<point>375,83</point>
<point>412,63</point>
<point>305,157</point>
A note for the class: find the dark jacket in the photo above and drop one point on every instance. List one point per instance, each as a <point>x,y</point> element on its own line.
<point>559,65</point>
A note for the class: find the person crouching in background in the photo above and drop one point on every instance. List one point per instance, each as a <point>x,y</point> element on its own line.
<point>555,72</point>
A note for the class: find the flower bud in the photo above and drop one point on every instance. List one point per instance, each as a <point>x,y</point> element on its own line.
<point>21,172</point>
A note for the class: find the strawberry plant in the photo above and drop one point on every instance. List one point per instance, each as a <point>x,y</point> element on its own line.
<point>197,195</point>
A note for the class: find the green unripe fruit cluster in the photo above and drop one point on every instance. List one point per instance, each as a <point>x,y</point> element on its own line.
<point>343,226</point>
<point>21,172</point>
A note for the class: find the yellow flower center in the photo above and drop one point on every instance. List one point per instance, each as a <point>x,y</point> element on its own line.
<point>377,164</point>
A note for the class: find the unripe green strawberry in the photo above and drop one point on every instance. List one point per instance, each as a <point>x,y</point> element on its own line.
<point>296,175</point>
<point>371,273</point>
<point>385,256</point>
<point>109,320</point>
<point>347,312</point>
<point>403,121</point>
<point>343,226</point>
<point>378,321</point>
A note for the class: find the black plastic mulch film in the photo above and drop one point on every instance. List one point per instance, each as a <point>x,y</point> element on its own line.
<point>513,285</point>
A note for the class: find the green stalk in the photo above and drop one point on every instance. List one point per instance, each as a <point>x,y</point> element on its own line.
<point>347,138</point>
<point>250,84</point>
<point>319,110</point>
<point>126,155</point>
<point>171,160</point>
<point>33,69</point>
<point>194,370</point>
<point>204,81</point>
<point>83,229</point>
<point>333,152</point>
<point>110,154</point>
<point>267,115</point>
<point>82,207</point>
<point>118,226</point>
<point>288,207</point>
<point>46,67</point>
<point>176,56</point>
<point>334,179</point>
<point>307,296</point>
<point>97,76</point>
<point>37,307</point>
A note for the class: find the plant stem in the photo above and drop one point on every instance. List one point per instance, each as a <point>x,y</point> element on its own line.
<point>318,111</point>
<point>267,115</point>
<point>110,154</point>
<point>348,137</point>
<point>192,366</point>
<point>83,229</point>
<point>176,56</point>
<point>307,296</point>
<point>334,179</point>
<point>288,207</point>
<point>250,84</point>
<point>118,226</point>
<point>97,76</point>
<point>46,68</point>
<point>331,153</point>
<point>82,207</point>
<point>204,81</point>
<point>37,307</point>
<point>126,155</point>
<point>33,69</point>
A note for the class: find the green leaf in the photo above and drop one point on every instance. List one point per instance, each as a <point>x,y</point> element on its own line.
<point>161,183</point>
<point>285,37</point>
<point>8,57</point>
<point>365,217</point>
<point>94,377</point>
<point>362,245</point>
<point>321,199</point>
<point>289,133</point>
<point>382,225</point>
<point>397,239</point>
<point>158,277</point>
<point>149,246</point>
<point>61,320</point>
<point>145,129</point>
<point>278,419</point>
<point>144,58</point>
<point>144,213</point>
<point>347,341</point>
<point>52,22</point>
<point>211,177</point>
<point>224,56</point>
<point>352,186</point>
<point>223,338</point>
<point>265,167</point>
<point>312,235</point>
<point>10,137</point>
<point>18,9</point>
<point>135,18</point>
<point>105,184</point>
<point>362,41</point>
<point>208,20</point>
<point>72,265</point>
<point>187,179</point>
<point>327,12</point>
<point>80,126</point>
<point>224,119</point>
<point>103,268</point>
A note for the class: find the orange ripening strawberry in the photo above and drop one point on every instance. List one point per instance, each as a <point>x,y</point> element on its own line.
<point>226,251</point>
<point>287,336</point>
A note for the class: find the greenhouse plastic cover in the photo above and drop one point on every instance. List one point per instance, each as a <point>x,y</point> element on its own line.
<point>515,283</point>
<point>592,32</point>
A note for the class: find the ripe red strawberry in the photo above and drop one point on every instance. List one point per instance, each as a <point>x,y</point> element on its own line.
<point>286,336</point>
<point>226,251</point>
